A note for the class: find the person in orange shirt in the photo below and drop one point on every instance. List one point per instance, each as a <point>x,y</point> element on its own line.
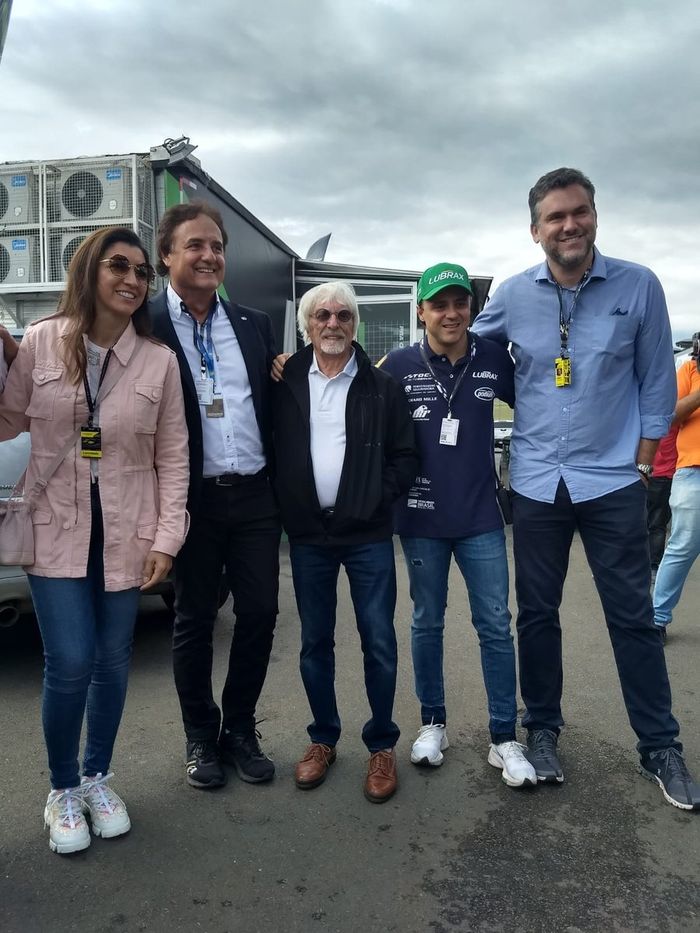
<point>658,495</point>
<point>684,543</point>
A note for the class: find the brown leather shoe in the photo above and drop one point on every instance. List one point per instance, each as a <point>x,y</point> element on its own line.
<point>381,781</point>
<point>313,766</point>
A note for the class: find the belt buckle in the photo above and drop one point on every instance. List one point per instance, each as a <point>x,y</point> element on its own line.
<point>223,480</point>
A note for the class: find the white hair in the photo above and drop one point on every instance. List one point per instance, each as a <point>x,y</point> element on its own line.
<point>341,292</point>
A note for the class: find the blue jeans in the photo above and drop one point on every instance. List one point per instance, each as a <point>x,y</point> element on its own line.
<point>87,635</point>
<point>372,576</point>
<point>483,564</point>
<point>683,544</point>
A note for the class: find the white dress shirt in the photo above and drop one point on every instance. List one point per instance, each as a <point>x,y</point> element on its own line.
<point>232,444</point>
<point>328,396</point>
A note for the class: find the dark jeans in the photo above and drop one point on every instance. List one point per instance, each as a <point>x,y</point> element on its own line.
<point>236,527</point>
<point>613,532</point>
<point>372,576</point>
<point>658,516</point>
<point>87,635</point>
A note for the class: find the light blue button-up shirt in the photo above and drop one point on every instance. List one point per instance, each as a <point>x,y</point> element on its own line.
<point>623,383</point>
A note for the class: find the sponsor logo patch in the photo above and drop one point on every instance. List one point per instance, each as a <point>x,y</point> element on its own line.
<point>422,413</point>
<point>485,393</point>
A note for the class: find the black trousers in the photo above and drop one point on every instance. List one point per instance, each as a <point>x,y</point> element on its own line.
<point>613,532</point>
<point>658,516</point>
<point>236,528</point>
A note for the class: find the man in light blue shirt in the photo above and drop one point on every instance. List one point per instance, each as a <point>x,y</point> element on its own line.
<point>594,391</point>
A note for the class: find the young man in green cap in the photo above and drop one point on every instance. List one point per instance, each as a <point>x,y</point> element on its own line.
<point>450,379</point>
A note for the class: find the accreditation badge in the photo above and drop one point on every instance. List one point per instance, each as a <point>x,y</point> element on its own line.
<point>448,431</point>
<point>562,371</point>
<point>205,390</point>
<point>90,442</point>
<point>216,407</point>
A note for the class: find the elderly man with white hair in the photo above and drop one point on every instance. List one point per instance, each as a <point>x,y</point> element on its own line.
<point>344,451</point>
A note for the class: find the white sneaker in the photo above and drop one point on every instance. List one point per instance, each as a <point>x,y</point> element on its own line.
<point>107,811</point>
<point>63,814</point>
<point>430,744</point>
<point>510,758</point>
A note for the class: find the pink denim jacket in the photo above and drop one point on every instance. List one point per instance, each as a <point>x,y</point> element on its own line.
<point>144,469</point>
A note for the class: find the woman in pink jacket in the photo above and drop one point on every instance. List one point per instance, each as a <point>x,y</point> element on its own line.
<point>112,516</point>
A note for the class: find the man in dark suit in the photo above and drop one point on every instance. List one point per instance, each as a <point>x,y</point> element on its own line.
<point>225,352</point>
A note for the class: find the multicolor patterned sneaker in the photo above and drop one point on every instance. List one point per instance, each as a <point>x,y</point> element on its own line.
<point>107,811</point>
<point>63,814</point>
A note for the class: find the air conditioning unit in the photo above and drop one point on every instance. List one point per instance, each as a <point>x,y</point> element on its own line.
<point>96,193</point>
<point>19,203</point>
<point>19,257</point>
<point>68,248</point>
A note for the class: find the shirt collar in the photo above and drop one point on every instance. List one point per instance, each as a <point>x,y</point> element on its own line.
<point>599,269</point>
<point>350,368</point>
<point>433,355</point>
<point>175,303</point>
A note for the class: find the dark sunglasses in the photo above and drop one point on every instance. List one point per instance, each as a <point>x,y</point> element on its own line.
<point>323,315</point>
<point>120,266</point>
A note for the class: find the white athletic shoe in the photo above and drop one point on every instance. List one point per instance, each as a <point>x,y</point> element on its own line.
<point>430,744</point>
<point>510,758</point>
<point>63,814</point>
<point>107,811</point>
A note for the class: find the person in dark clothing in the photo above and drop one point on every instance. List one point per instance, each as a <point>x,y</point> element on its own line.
<point>344,452</point>
<point>224,352</point>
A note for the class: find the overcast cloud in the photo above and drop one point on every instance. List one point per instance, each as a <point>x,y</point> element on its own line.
<point>411,130</point>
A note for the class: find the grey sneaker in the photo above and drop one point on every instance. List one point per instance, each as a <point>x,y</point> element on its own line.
<point>542,755</point>
<point>242,750</point>
<point>668,768</point>
<point>204,768</point>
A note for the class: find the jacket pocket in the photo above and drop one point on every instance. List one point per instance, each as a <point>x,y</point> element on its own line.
<point>146,408</point>
<point>41,517</point>
<point>43,399</point>
<point>147,532</point>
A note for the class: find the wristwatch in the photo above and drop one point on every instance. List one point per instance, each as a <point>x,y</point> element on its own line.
<point>646,469</point>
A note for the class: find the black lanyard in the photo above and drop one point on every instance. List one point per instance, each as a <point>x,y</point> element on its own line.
<point>91,403</point>
<point>565,323</point>
<point>438,385</point>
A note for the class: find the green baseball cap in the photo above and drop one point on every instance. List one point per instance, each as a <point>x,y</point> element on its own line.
<point>442,276</point>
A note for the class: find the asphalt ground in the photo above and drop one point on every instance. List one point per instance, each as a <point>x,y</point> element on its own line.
<point>455,849</point>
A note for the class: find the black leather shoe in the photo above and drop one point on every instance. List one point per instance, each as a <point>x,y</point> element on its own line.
<point>668,768</point>
<point>203,765</point>
<point>242,750</point>
<point>542,755</point>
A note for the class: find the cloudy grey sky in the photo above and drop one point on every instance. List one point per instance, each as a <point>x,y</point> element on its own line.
<point>412,129</point>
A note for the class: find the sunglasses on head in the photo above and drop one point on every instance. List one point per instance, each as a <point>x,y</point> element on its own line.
<point>120,266</point>
<point>323,315</point>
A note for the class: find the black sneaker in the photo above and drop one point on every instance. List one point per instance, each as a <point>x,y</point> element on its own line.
<point>668,768</point>
<point>542,755</point>
<point>203,765</point>
<point>242,750</point>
